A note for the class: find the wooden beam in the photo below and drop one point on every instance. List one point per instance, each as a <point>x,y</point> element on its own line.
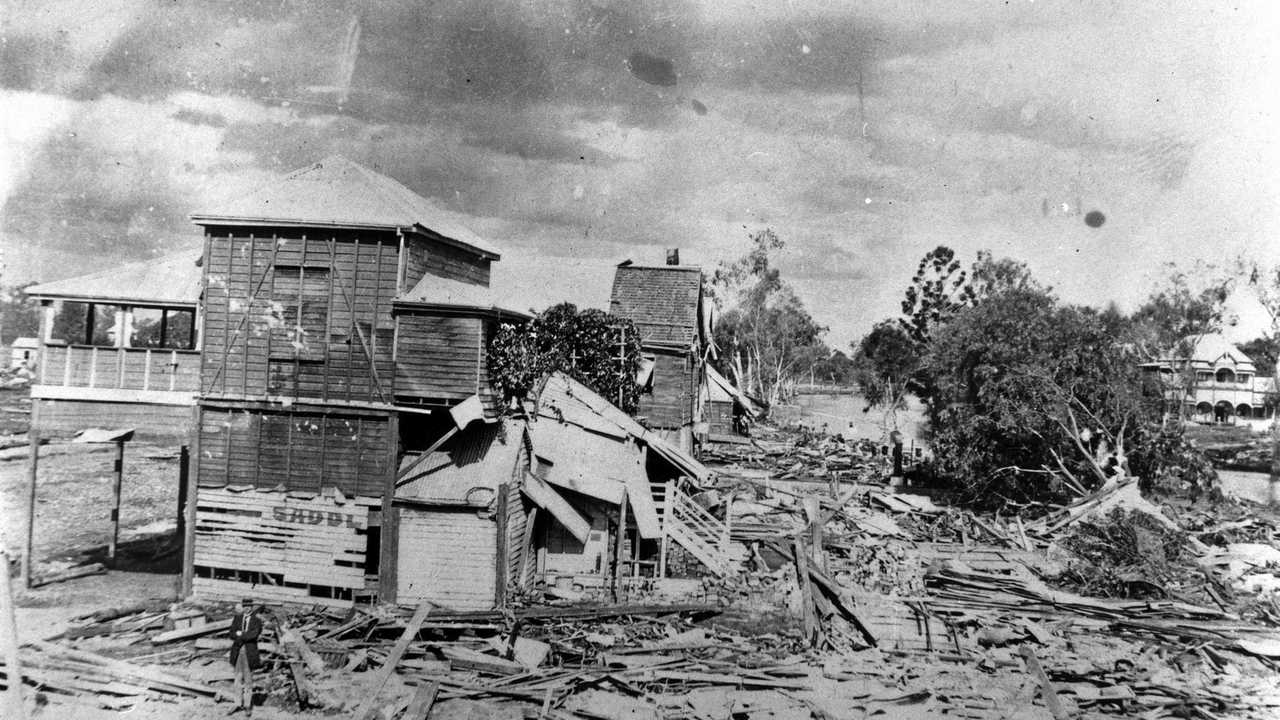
<point>1051,699</point>
<point>9,644</point>
<point>389,532</point>
<point>806,591</point>
<point>184,487</point>
<point>118,469</point>
<point>619,543</point>
<point>32,463</point>
<point>189,507</point>
<point>502,554</point>
<point>526,549</point>
<point>423,699</point>
<point>365,710</point>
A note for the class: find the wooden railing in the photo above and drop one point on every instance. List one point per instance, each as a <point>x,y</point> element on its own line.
<point>149,369</point>
<point>695,528</point>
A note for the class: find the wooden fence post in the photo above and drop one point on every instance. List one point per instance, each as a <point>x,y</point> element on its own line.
<point>28,549</point>
<point>14,707</point>
<point>115,504</point>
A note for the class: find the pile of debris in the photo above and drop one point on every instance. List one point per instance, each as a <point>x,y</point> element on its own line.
<point>851,601</point>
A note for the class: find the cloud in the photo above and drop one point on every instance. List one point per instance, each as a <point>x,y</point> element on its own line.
<point>865,133</point>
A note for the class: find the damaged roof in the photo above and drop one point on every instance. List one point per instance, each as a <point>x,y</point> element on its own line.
<point>467,469</point>
<point>337,192</point>
<point>170,280</point>
<point>662,300</point>
<point>566,400</point>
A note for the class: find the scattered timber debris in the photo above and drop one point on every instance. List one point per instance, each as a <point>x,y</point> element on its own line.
<point>850,600</point>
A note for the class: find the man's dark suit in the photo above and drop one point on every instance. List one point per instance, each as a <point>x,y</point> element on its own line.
<point>244,634</point>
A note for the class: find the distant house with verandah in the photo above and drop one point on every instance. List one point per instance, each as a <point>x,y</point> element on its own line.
<point>1214,381</point>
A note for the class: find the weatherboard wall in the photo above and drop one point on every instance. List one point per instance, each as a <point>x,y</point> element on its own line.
<point>279,546</point>
<point>670,403</point>
<point>299,315</point>
<point>306,451</point>
<point>424,256</point>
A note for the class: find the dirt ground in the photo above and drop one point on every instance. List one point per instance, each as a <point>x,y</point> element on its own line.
<point>73,498</point>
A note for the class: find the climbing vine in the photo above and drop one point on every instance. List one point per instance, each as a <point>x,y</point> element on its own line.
<point>597,349</point>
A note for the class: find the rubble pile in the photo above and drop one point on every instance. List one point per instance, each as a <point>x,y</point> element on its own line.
<point>852,601</point>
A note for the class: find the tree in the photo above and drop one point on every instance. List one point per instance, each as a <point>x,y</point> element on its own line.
<point>937,292</point>
<point>990,276</point>
<point>765,335</point>
<point>1034,402</point>
<point>887,364</point>
<point>1187,305</point>
<point>593,347</point>
<point>20,313</point>
<point>1264,351</point>
<point>833,368</point>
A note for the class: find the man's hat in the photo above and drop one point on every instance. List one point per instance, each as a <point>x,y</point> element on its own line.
<point>246,601</point>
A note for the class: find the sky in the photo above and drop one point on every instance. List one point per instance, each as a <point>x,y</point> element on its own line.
<point>575,134</point>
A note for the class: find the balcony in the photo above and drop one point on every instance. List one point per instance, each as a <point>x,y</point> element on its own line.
<point>120,374</point>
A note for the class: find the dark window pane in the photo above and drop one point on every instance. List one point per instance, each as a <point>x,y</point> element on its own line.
<point>147,326</point>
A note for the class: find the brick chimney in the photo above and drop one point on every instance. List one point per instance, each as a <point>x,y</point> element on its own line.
<point>673,256</point>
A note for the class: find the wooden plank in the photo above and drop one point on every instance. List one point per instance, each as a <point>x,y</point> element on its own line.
<point>1051,699</point>
<point>423,699</point>
<point>365,709</point>
<point>806,593</point>
<point>211,628</point>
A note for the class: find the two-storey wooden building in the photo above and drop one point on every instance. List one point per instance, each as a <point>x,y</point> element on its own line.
<point>343,315</point>
<point>666,304</point>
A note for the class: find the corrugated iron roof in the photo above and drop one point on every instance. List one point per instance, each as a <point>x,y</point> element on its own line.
<point>480,457</point>
<point>662,300</point>
<point>564,399</point>
<point>338,192</point>
<point>436,291</point>
<point>598,466</point>
<point>169,280</point>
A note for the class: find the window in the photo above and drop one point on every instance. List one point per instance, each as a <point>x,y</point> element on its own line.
<point>78,323</point>
<point>163,328</point>
<point>300,312</point>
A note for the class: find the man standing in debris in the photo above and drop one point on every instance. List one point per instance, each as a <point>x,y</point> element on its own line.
<point>246,626</point>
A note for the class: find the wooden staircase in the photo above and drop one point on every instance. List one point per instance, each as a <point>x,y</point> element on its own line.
<point>694,528</point>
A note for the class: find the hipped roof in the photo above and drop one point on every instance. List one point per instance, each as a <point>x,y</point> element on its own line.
<point>172,280</point>
<point>1211,349</point>
<point>337,192</point>
<point>662,300</point>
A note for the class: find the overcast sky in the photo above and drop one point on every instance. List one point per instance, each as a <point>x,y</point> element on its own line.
<point>578,133</point>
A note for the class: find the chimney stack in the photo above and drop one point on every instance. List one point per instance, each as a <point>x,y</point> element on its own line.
<point>673,256</point>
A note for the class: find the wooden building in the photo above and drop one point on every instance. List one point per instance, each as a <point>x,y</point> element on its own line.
<point>666,304</point>
<point>343,316</point>
<point>120,348</point>
<point>727,411</point>
<point>500,506</point>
